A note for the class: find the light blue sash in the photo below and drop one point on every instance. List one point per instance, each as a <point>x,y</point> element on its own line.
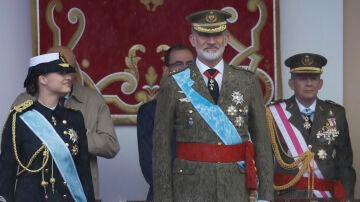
<point>212,114</point>
<point>60,153</point>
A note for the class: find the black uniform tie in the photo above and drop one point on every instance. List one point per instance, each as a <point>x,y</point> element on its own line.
<point>212,84</point>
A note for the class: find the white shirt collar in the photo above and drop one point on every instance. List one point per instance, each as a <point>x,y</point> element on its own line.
<point>302,107</point>
<point>202,67</point>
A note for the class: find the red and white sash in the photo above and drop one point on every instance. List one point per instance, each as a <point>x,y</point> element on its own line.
<point>295,141</point>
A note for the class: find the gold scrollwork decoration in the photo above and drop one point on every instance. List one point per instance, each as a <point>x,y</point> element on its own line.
<point>76,15</point>
<point>54,5</point>
<point>251,51</point>
<point>130,77</point>
<point>269,87</point>
<point>162,48</point>
<point>131,61</point>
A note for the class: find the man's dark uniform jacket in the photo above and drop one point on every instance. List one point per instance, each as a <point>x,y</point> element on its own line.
<point>28,185</point>
<point>336,162</point>
<point>145,126</point>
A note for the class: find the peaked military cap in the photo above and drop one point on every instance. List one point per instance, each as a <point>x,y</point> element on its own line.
<point>306,63</point>
<point>209,21</point>
<point>47,63</point>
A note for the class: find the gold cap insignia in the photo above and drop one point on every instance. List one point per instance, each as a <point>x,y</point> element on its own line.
<point>307,60</point>
<point>63,59</point>
<point>211,17</point>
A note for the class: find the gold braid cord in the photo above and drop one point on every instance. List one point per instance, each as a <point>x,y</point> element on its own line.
<point>302,161</point>
<point>18,109</point>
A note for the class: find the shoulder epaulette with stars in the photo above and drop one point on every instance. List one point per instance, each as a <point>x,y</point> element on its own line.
<point>176,71</point>
<point>244,68</point>
<point>276,101</point>
<point>334,103</point>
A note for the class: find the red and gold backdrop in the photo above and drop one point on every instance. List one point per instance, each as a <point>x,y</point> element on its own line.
<point>119,44</point>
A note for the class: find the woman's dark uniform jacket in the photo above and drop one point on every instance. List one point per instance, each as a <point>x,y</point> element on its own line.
<point>28,186</point>
<point>337,164</point>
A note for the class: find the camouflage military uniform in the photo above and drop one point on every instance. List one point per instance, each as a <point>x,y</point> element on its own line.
<point>177,118</point>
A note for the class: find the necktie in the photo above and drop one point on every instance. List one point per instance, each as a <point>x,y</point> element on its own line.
<point>212,84</point>
<point>307,112</point>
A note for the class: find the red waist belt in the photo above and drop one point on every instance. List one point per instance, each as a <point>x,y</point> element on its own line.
<point>221,154</point>
<point>333,186</point>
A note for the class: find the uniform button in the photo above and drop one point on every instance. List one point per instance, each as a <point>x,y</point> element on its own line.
<point>64,121</point>
<point>46,170</point>
<point>65,196</point>
<point>65,132</point>
<point>190,121</point>
<point>219,143</point>
<point>67,144</point>
<point>64,183</point>
<point>310,146</point>
<point>191,111</point>
<point>180,170</point>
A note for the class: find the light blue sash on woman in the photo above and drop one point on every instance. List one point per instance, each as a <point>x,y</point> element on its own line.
<point>212,114</point>
<point>59,152</point>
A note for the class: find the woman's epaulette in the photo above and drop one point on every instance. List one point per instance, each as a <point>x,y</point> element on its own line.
<point>23,106</point>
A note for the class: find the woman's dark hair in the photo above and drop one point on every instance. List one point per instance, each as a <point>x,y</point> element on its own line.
<point>32,86</point>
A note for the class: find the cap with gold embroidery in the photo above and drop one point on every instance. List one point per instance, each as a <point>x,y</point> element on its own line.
<point>306,63</point>
<point>209,21</point>
<point>47,63</point>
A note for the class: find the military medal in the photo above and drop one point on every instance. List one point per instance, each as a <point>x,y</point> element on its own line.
<point>333,155</point>
<point>73,135</point>
<point>74,150</point>
<point>237,97</point>
<point>329,132</point>
<point>231,110</point>
<point>239,121</point>
<point>322,154</point>
<point>53,120</point>
<point>246,109</point>
<point>185,99</point>
<point>211,83</point>
<point>307,124</point>
<point>191,121</point>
